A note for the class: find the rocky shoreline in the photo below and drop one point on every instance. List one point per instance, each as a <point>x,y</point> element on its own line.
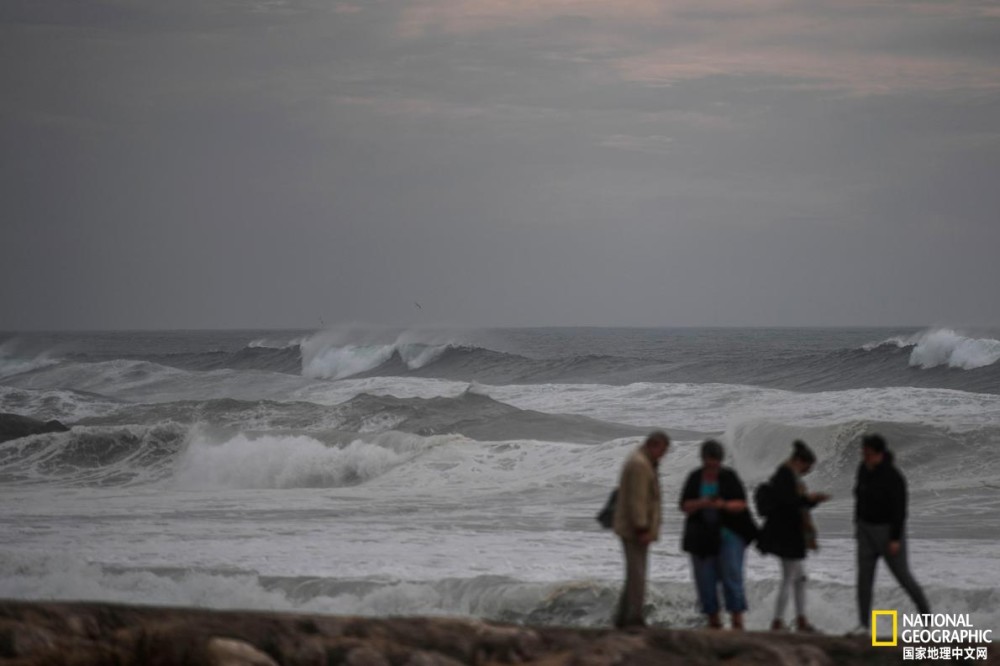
<point>91,634</point>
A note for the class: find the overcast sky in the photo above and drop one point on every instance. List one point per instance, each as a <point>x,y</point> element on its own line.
<point>230,163</point>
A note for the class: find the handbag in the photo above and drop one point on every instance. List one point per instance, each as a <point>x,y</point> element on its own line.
<point>606,516</point>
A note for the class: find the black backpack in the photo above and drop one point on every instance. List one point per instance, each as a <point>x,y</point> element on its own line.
<point>606,516</point>
<point>763,500</point>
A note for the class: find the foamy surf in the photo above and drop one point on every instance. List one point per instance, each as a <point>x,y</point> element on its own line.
<point>574,597</point>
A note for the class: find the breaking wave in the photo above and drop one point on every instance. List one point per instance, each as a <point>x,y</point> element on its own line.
<point>15,362</point>
<point>274,461</point>
<point>350,360</point>
<point>944,347</point>
<point>344,352</point>
<point>239,444</point>
<point>195,458</point>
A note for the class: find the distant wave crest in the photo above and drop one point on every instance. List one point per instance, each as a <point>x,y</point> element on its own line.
<point>944,347</point>
<point>338,354</point>
<point>269,343</point>
<point>349,360</point>
<point>12,362</point>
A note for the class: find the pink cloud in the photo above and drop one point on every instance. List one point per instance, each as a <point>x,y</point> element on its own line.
<point>470,16</point>
<point>832,45</point>
<point>859,73</point>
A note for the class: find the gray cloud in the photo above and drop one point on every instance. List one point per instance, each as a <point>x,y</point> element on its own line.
<point>267,164</point>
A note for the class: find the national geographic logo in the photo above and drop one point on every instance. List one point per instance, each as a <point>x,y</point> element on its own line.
<point>931,635</point>
<point>891,642</point>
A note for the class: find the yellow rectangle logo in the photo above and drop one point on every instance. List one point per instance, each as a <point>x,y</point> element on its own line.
<point>884,643</point>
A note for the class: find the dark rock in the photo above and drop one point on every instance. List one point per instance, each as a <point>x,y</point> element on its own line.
<point>364,655</point>
<point>231,652</point>
<point>14,426</point>
<point>92,634</point>
<point>17,640</point>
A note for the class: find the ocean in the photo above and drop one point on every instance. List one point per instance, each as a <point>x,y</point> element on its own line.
<point>384,472</point>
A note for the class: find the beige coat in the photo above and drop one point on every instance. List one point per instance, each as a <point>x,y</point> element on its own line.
<point>638,506</point>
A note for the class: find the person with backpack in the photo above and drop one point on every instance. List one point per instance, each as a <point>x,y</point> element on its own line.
<point>880,524</point>
<point>636,520</point>
<point>717,530</point>
<point>788,531</point>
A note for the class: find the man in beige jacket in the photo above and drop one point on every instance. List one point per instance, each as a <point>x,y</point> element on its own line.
<point>637,523</point>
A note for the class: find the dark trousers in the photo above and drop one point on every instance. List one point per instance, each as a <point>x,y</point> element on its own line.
<point>873,543</point>
<point>634,592</point>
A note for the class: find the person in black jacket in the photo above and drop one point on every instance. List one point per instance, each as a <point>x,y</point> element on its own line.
<point>880,518</point>
<point>717,530</point>
<point>786,532</point>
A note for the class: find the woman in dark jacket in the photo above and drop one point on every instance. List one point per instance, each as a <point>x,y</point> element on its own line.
<point>880,525</point>
<point>717,530</point>
<point>788,531</point>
